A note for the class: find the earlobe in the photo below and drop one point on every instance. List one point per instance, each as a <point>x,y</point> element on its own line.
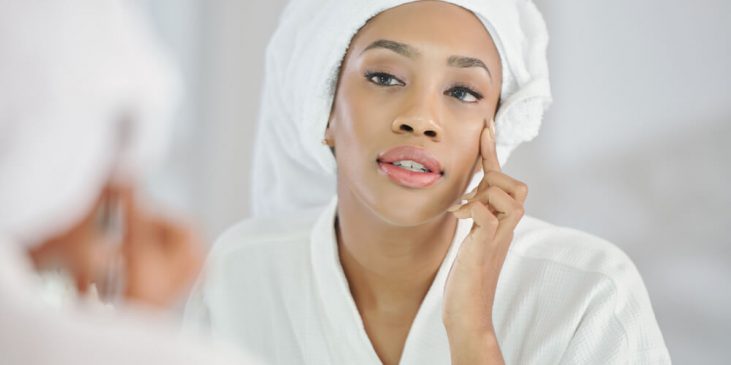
<point>328,140</point>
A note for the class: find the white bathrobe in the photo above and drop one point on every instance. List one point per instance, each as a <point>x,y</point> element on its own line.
<point>276,288</point>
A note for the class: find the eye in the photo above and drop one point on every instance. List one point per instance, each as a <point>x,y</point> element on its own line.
<point>383,79</point>
<point>464,94</point>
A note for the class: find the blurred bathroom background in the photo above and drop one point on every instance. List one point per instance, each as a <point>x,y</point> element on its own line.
<point>636,148</point>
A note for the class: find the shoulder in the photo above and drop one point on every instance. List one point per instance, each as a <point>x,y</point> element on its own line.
<point>592,279</point>
<point>260,254</point>
<point>576,256</point>
<point>262,237</point>
<point>256,271</point>
<point>570,248</point>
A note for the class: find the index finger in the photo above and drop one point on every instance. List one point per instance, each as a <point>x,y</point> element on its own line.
<point>488,149</point>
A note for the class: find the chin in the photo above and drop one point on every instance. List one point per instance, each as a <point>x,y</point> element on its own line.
<point>395,204</point>
<point>404,217</point>
<point>409,208</point>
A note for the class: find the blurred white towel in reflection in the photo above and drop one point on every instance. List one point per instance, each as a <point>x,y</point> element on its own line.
<point>72,71</point>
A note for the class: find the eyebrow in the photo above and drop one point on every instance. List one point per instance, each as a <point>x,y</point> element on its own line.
<point>465,62</point>
<point>409,51</point>
<point>400,48</point>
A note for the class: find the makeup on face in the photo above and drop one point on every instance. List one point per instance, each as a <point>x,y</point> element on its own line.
<point>410,104</point>
<point>410,167</point>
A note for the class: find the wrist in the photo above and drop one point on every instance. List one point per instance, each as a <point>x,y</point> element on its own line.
<point>474,347</point>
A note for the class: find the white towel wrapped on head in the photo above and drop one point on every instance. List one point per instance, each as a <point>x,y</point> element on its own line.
<point>292,169</point>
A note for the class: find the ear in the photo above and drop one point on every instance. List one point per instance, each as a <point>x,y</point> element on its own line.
<point>329,139</point>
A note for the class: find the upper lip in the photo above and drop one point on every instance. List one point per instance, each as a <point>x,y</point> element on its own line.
<point>416,154</point>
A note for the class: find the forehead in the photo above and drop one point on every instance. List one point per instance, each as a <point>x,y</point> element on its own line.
<point>431,27</point>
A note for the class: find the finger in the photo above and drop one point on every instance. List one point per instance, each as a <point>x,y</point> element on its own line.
<point>470,195</point>
<point>515,188</point>
<point>488,149</point>
<point>483,231</point>
<point>178,242</point>
<point>511,212</point>
<point>179,236</point>
<point>464,199</point>
<point>496,200</point>
<point>484,219</point>
<point>479,194</point>
<point>131,212</point>
<point>462,211</point>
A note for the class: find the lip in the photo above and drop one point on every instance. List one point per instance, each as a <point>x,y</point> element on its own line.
<point>408,178</point>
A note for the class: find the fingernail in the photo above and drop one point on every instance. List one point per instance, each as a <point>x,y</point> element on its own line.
<point>469,195</point>
<point>454,208</point>
<point>492,129</point>
<point>462,213</point>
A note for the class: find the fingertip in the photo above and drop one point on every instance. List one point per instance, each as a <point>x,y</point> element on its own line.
<point>488,149</point>
<point>462,212</point>
<point>491,128</point>
<point>470,195</point>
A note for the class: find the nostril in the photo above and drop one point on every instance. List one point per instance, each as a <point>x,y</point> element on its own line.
<point>431,134</point>
<point>406,128</point>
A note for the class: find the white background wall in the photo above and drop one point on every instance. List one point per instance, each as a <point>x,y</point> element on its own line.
<point>636,149</point>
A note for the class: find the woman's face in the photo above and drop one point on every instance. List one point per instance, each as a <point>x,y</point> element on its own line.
<point>417,86</point>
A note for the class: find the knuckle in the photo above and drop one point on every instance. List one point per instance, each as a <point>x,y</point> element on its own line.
<point>521,188</point>
<point>517,206</point>
<point>492,220</point>
<point>492,189</point>
<point>519,211</point>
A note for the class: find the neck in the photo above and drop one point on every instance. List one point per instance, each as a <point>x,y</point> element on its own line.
<point>389,268</point>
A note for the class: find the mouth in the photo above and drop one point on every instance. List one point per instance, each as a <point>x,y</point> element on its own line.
<point>409,166</point>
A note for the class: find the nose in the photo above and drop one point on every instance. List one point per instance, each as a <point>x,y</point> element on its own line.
<point>417,125</point>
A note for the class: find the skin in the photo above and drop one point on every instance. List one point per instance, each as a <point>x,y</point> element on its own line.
<point>392,239</point>
<point>161,257</point>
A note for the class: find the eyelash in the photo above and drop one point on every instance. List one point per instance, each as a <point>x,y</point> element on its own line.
<point>451,92</point>
<point>465,89</point>
<point>370,75</point>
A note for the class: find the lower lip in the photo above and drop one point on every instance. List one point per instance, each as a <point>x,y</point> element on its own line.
<point>408,178</point>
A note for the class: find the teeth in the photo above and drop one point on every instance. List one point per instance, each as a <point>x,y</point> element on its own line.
<point>411,165</point>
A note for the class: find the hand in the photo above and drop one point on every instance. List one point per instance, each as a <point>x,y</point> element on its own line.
<point>496,207</point>
<point>161,257</point>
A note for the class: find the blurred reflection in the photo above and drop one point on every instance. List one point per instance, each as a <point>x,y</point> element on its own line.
<point>85,100</point>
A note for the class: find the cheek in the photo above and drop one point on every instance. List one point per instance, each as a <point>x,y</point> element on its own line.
<point>467,141</point>
<point>361,119</point>
<point>465,149</point>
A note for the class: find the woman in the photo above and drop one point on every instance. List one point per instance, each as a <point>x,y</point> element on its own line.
<point>386,272</point>
<point>85,102</point>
